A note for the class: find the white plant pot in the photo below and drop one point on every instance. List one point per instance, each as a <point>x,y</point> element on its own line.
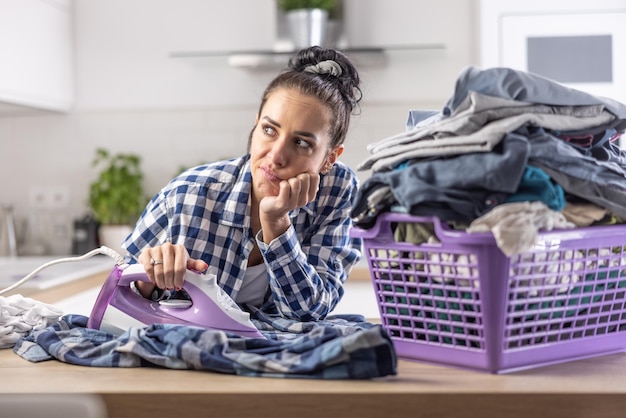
<point>307,27</point>
<point>112,236</point>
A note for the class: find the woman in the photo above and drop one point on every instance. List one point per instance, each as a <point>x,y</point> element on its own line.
<point>273,225</point>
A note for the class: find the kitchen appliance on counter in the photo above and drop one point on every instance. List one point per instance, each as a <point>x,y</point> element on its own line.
<point>85,237</point>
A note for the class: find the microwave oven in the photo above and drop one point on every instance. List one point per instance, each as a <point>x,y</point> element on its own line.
<point>579,43</point>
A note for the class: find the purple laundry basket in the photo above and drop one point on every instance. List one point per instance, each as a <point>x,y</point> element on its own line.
<point>462,302</point>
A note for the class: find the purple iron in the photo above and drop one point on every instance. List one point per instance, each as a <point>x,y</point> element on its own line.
<point>118,307</point>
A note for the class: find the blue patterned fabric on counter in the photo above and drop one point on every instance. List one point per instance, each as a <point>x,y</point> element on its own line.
<point>340,347</point>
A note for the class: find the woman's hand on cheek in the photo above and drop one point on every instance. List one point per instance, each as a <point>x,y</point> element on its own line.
<point>293,193</point>
<point>303,188</point>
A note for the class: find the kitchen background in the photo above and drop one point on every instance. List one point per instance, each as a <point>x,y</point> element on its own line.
<point>77,75</point>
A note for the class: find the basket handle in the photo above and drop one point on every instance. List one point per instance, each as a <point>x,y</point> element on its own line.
<point>382,227</point>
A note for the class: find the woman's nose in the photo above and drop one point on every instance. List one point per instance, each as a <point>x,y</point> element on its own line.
<point>278,152</point>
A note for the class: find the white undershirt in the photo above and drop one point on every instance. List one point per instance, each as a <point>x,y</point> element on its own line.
<point>254,286</point>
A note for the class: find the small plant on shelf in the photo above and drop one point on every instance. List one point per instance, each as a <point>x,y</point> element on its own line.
<point>288,5</point>
<point>116,197</point>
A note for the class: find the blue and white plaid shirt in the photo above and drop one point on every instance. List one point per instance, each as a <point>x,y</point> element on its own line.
<point>207,210</point>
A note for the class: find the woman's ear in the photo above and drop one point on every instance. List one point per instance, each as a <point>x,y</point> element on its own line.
<point>331,158</point>
<point>334,154</point>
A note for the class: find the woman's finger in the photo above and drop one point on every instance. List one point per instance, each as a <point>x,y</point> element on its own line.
<point>145,259</point>
<point>179,266</point>
<point>314,185</point>
<point>197,265</point>
<point>303,194</point>
<point>167,269</point>
<point>295,187</point>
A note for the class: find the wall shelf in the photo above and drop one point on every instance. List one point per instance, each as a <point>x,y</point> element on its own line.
<point>367,56</point>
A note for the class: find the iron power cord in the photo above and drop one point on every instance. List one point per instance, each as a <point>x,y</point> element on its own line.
<point>119,260</point>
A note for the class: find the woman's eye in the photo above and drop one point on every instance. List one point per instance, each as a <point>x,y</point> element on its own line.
<point>269,130</point>
<point>302,143</point>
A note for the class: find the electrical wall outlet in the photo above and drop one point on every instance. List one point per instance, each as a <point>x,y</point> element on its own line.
<point>59,197</point>
<point>38,197</point>
<point>54,197</point>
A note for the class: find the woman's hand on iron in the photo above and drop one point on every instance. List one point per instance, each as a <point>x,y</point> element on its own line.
<point>167,264</point>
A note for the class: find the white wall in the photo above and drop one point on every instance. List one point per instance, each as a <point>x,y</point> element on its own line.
<point>132,97</point>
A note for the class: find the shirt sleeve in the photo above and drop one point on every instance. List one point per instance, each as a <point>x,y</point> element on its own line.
<point>151,229</point>
<point>311,261</point>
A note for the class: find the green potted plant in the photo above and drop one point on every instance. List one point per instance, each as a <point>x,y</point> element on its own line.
<point>116,196</point>
<point>288,5</point>
<point>308,20</point>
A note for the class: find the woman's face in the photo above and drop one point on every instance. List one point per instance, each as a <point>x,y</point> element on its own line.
<point>290,137</point>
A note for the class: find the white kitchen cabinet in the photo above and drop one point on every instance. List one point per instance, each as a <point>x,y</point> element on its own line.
<point>36,54</point>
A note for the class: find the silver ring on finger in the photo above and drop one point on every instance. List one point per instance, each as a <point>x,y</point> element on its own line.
<point>155,262</point>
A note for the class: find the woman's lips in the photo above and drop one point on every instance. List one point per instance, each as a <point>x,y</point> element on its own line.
<point>270,175</point>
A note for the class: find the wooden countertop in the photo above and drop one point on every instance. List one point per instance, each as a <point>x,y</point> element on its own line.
<point>588,388</point>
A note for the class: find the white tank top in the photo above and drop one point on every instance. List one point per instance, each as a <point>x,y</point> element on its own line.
<point>254,286</point>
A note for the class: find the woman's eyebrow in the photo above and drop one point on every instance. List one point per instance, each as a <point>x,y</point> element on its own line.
<point>299,133</point>
<point>272,121</point>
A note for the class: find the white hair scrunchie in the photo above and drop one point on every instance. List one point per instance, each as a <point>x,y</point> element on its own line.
<point>325,67</point>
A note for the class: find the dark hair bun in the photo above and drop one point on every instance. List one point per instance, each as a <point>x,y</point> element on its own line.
<point>348,81</point>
